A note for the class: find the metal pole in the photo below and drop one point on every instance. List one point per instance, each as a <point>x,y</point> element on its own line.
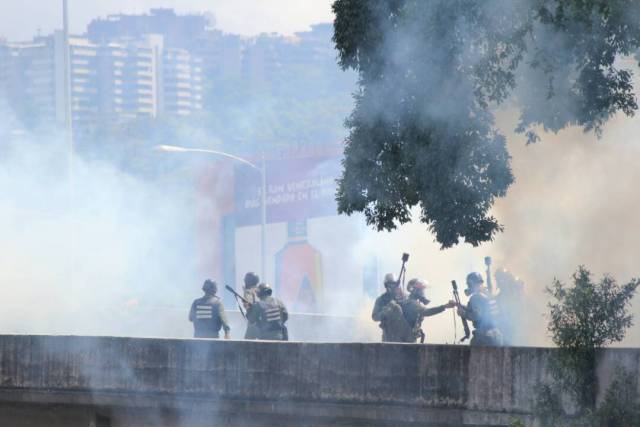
<point>68,119</point>
<point>263,222</point>
<point>67,73</point>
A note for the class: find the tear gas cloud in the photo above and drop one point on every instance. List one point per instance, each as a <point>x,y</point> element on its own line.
<point>135,239</point>
<point>121,256</point>
<point>79,261</point>
<point>573,201</point>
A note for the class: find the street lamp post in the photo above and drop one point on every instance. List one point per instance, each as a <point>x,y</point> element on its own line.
<point>263,221</point>
<point>263,191</point>
<point>68,124</point>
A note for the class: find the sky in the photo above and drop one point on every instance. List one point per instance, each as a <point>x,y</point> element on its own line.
<point>21,19</point>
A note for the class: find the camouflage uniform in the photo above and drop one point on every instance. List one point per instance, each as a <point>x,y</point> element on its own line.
<point>388,311</point>
<point>415,311</point>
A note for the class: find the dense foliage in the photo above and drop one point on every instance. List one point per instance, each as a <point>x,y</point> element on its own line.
<point>589,314</point>
<point>583,318</point>
<point>422,131</point>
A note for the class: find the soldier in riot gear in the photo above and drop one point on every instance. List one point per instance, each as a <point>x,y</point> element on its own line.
<point>388,311</point>
<point>415,308</point>
<point>269,314</point>
<point>207,313</point>
<point>482,311</point>
<point>251,281</point>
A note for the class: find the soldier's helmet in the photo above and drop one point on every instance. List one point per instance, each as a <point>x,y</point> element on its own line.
<point>416,285</point>
<point>264,290</point>
<point>474,279</point>
<point>251,279</point>
<point>210,286</point>
<point>390,280</point>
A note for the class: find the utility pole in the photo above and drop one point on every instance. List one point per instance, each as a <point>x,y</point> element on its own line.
<point>263,220</point>
<point>68,121</point>
<point>67,78</point>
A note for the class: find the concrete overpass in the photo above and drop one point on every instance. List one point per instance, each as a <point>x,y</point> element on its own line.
<point>105,381</point>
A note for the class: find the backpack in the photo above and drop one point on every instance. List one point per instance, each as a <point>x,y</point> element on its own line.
<point>394,324</point>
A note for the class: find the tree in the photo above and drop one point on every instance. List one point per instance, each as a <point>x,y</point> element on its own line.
<point>582,319</point>
<point>422,131</point>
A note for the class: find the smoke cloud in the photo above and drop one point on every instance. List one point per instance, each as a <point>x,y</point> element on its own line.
<point>117,252</point>
<point>96,256</point>
<point>573,200</point>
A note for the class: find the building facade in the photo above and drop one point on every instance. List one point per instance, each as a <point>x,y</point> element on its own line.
<point>143,66</point>
<point>181,88</point>
<point>115,80</point>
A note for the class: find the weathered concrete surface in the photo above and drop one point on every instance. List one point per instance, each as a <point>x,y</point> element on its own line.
<point>105,381</point>
<point>166,322</point>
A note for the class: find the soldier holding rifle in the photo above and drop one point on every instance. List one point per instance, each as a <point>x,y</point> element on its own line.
<point>267,314</point>
<point>482,311</point>
<point>251,281</point>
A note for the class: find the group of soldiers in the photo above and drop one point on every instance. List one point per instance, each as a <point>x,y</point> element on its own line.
<point>266,316</point>
<point>401,315</point>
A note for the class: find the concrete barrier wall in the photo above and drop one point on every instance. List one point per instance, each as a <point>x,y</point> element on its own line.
<point>165,322</point>
<point>276,382</point>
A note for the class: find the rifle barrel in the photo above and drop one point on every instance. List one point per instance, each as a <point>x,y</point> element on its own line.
<point>465,324</point>
<point>237,295</point>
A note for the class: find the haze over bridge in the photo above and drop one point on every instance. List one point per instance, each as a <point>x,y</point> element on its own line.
<point>107,381</point>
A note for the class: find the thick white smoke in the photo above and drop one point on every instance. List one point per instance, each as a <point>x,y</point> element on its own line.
<point>101,256</point>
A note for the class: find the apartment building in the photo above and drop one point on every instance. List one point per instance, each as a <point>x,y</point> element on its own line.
<point>136,66</point>
<point>221,55</point>
<point>84,78</point>
<point>258,61</point>
<point>181,87</point>
<point>27,78</point>
<point>271,56</point>
<point>5,61</point>
<point>129,78</point>
<point>115,80</point>
<point>176,30</point>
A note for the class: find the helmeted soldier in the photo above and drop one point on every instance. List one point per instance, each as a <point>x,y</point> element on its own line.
<point>269,314</point>
<point>415,308</point>
<point>388,311</point>
<point>207,313</point>
<point>482,311</point>
<point>251,281</point>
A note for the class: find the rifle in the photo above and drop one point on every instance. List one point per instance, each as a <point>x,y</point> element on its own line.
<point>238,299</point>
<point>487,262</point>
<point>403,270</point>
<point>465,324</point>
